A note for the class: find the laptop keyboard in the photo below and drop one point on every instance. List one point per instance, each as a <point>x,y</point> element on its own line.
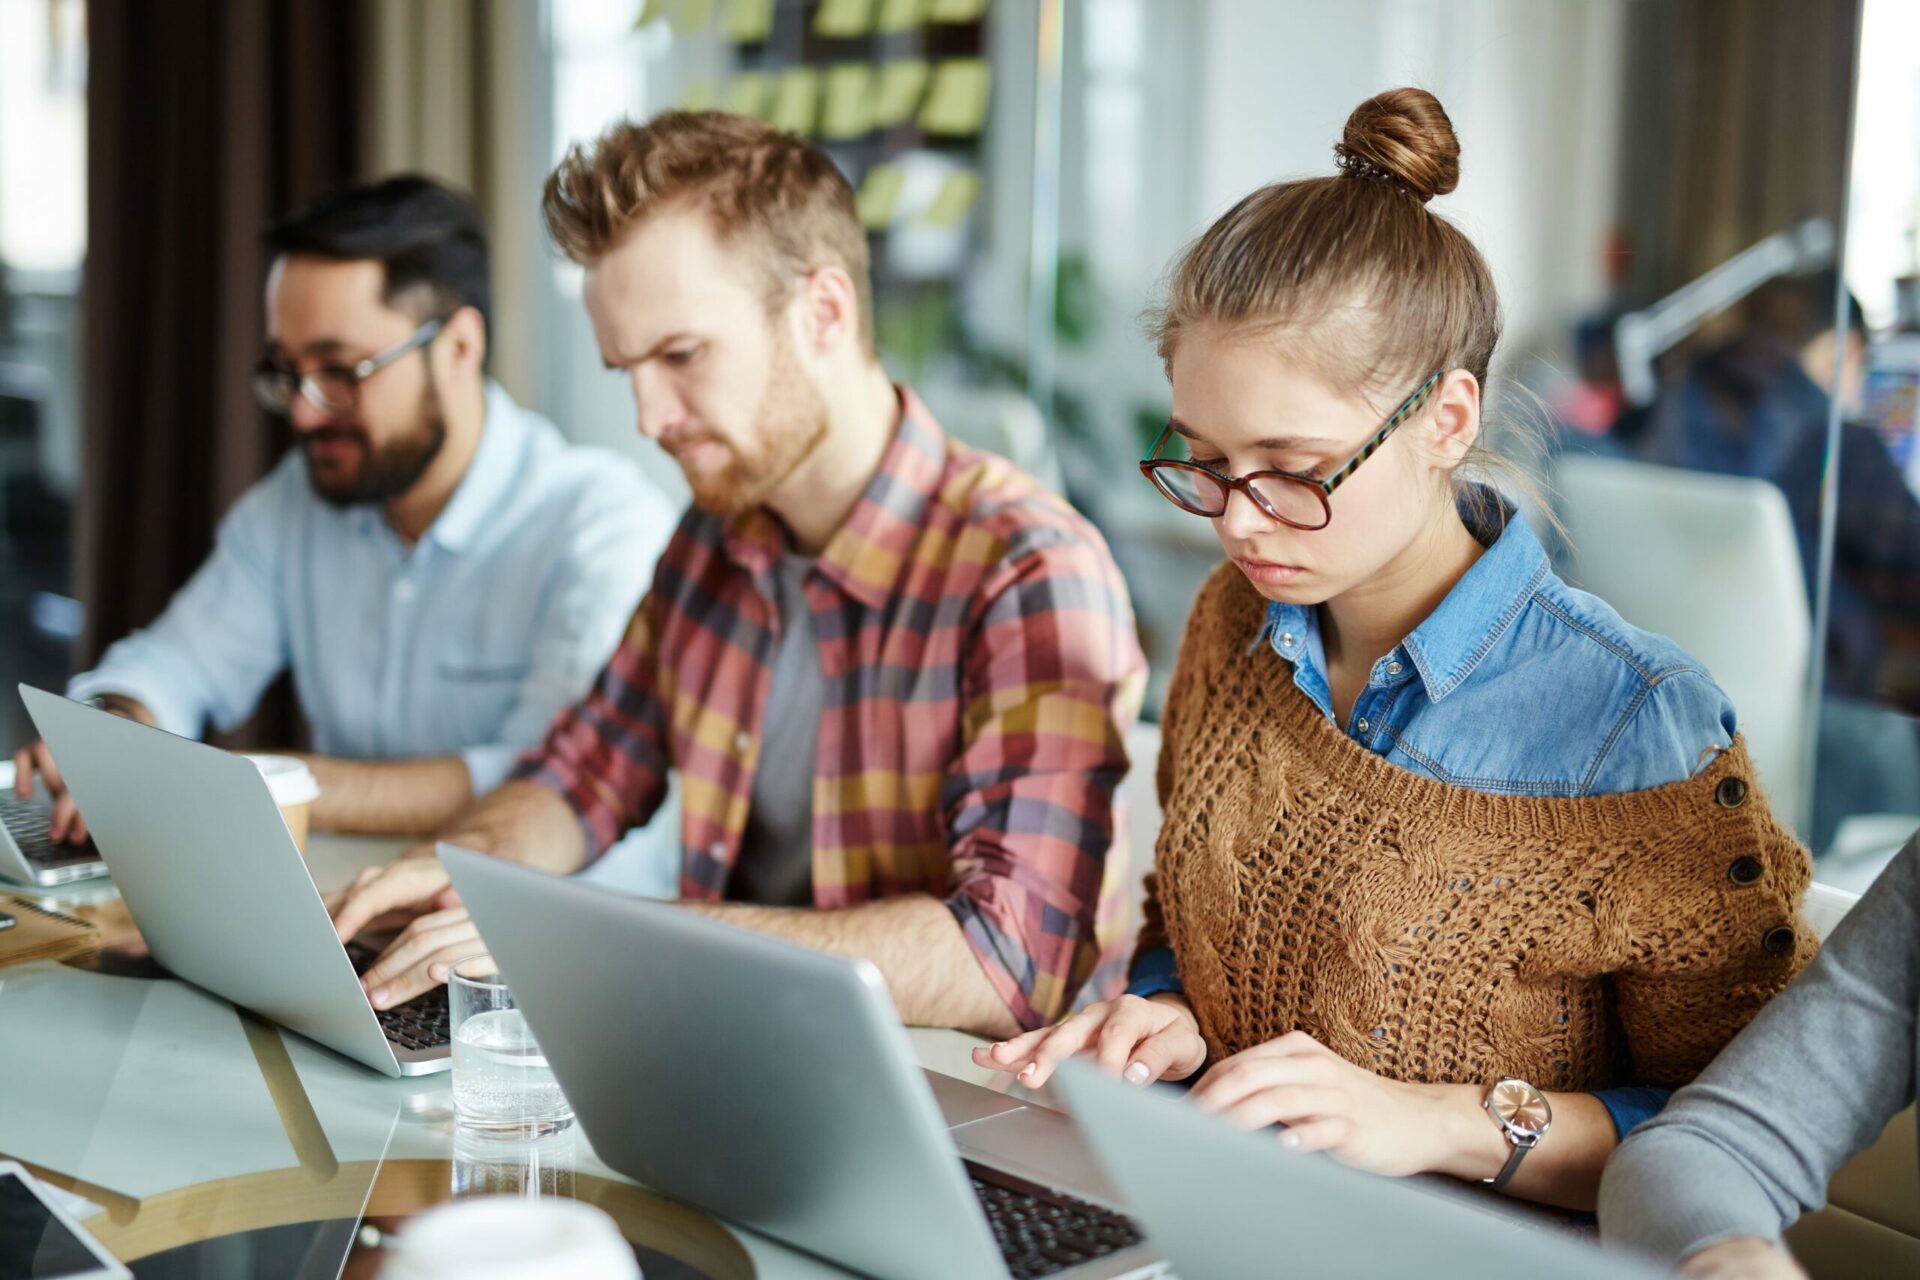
<point>26,822</point>
<point>1042,1232</point>
<point>420,1023</point>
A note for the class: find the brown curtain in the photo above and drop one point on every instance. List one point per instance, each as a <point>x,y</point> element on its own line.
<point>205,119</point>
<point>1736,128</point>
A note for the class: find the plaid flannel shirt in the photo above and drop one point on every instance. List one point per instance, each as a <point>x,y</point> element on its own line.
<point>982,669</point>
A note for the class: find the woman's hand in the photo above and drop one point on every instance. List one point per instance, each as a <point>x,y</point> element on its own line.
<point>1140,1041</point>
<point>1328,1104</point>
<point>1742,1258</point>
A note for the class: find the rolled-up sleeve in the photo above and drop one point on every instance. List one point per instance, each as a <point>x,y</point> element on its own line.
<point>223,637</point>
<point>1052,678</point>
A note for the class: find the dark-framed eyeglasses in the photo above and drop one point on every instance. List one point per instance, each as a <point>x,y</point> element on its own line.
<point>1300,502</point>
<point>331,390</point>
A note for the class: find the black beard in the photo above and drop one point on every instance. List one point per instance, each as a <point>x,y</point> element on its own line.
<point>394,468</point>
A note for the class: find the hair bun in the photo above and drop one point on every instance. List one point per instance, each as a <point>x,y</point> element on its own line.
<point>1403,136</point>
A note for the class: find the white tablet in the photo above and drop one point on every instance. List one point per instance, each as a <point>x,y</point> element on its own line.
<point>38,1241</point>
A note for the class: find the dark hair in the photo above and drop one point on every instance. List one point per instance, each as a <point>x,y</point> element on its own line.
<point>428,237</point>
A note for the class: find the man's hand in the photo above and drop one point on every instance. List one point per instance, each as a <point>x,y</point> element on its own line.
<point>1138,1040</point>
<point>413,888</point>
<point>66,825</point>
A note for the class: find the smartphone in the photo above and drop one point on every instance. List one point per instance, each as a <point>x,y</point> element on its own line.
<point>38,1241</point>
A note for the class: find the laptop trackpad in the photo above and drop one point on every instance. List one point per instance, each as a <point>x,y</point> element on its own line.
<point>1040,1145</point>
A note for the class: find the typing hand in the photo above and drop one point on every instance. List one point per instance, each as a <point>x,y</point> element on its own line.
<point>416,887</point>
<point>1138,1040</point>
<point>65,824</point>
<point>422,956</point>
<point>1744,1258</point>
<point>1328,1104</point>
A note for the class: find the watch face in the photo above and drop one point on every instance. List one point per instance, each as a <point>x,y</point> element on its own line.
<point>1521,1105</point>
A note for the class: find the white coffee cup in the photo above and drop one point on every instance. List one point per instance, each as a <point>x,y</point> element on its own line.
<point>294,789</point>
<point>511,1238</point>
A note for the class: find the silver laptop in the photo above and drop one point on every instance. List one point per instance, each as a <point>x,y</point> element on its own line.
<point>775,1086</point>
<point>219,889</point>
<point>1230,1205</point>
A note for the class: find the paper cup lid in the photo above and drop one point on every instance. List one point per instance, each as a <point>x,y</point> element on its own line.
<point>290,780</point>
<point>512,1238</point>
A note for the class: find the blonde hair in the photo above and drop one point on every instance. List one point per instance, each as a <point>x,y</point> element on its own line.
<point>1364,284</point>
<point>769,193</point>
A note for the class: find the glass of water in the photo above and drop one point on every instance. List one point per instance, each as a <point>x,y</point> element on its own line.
<point>502,1085</point>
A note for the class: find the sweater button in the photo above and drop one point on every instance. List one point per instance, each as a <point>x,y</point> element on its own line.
<point>1731,793</point>
<point>1778,940</point>
<point>1746,871</point>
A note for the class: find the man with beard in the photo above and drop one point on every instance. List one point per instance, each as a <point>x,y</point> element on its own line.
<point>893,673</point>
<point>440,569</point>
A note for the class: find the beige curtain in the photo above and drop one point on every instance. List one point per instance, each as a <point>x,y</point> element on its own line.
<point>454,91</point>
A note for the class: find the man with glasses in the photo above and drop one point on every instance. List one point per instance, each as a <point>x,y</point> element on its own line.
<point>440,570</point>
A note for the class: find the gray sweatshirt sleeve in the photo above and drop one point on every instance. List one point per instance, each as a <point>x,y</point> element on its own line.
<point>1751,1144</point>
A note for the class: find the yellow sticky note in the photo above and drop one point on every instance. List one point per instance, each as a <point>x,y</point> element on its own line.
<point>955,197</point>
<point>897,91</point>
<point>843,19</point>
<point>693,17</point>
<point>878,196</point>
<point>956,10</point>
<point>701,95</point>
<point>957,102</point>
<point>749,21</point>
<point>653,11</point>
<point>796,103</point>
<point>900,15</point>
<point>849,109</point>
<point>750,94</point>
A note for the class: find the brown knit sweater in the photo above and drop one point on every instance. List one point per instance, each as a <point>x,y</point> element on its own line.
<point>1432,933</point>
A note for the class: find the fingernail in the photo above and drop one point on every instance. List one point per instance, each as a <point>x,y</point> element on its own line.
<point>379,997</point>
<point>1028,1070</point>
<point>1290,1140</point>
<point>1136,1073</point>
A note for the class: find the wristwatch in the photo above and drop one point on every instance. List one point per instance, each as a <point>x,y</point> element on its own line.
<point>1524,1117</point>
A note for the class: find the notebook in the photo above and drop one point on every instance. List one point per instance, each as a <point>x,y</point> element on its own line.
<point>41,934</point>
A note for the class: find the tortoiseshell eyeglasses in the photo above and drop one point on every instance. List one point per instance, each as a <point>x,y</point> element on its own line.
<point>1294,500</point>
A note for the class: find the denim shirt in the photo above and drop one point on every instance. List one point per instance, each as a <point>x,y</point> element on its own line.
<point>1516,684</point>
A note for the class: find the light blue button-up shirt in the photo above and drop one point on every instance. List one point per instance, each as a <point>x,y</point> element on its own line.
<point>1519,684</point>
<point>465,643</point>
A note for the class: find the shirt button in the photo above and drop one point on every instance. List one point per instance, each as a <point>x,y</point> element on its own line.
<point>403,590</point>
<point>1362,724</point>
<point>1287,640</point>
<point>1393,668</point>
<point>1746,870</point>
<point>741,741</point>
<point>717,850</point>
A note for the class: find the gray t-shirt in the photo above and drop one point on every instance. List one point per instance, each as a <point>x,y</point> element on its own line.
<point>1750,1145</point>
<point>776,852</point>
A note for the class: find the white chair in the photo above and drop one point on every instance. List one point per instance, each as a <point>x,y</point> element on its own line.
<point>1710,562</point>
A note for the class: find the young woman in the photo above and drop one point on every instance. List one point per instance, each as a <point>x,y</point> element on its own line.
<point>1459,871</point>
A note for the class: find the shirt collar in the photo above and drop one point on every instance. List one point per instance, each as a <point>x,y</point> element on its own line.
<point>489,476</point>
<point>866,553</point>
<point>1457,636</point>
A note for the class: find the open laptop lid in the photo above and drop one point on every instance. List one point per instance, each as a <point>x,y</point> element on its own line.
<point>210,872</point>
<point>1229,1205</point>
<point>762,1081</point>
